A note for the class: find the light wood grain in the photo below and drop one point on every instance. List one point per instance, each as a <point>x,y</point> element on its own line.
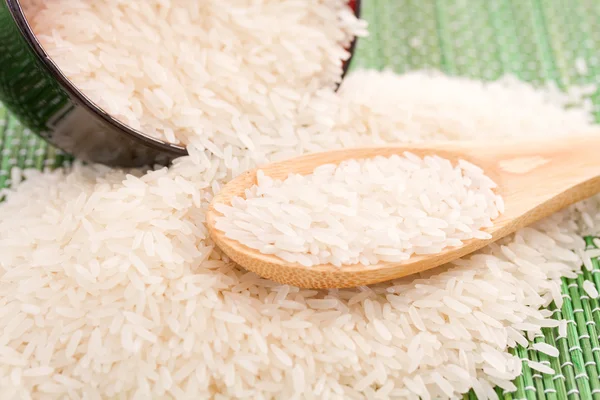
<point>535,178</point>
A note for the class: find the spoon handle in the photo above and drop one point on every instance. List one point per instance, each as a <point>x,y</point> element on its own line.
<point>538,178</point>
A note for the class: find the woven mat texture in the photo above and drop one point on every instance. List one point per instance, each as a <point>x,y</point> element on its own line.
<point>536,40</point>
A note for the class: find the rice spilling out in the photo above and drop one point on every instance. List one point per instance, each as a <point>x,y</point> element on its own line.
<point>208,72</point>
<point>111,288</point>
<point>364,211</point>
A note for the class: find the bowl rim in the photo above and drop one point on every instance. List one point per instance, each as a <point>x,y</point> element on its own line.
<point>18,15</point>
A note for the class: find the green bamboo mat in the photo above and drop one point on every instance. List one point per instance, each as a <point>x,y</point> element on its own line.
<point>536,40</point>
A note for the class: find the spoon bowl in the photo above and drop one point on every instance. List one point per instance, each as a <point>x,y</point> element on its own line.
<point>535,179</point>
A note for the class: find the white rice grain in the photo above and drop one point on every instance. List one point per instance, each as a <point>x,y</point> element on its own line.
<point>546,349</point>
<point>543,368</point>
<point>590,288</point>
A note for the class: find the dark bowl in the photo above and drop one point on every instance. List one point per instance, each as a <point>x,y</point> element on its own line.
<point>40,95</point>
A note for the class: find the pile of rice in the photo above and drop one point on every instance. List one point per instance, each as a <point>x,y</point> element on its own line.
<point>111,288</point>
<point>364,211</point>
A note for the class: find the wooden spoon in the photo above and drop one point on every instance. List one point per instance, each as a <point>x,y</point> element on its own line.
<point>535,178</point>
